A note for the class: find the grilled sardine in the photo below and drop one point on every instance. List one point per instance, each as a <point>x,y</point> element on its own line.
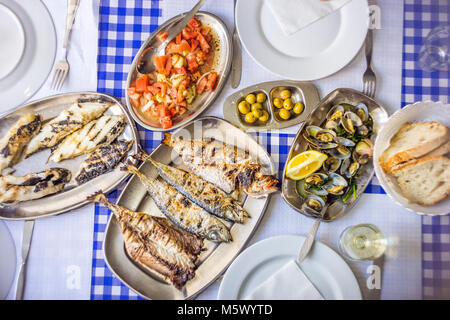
<point>33,186</point>
<point>182,211</point>
<point>12,145</point>
<point>227,167</point>
<point>201,192</point>
<point>95,134</point>
<point>103,160</point>
<point>65,123</point>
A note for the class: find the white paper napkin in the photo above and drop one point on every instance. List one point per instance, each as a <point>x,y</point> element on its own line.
<point>288,283</point>
<point>294,15</point>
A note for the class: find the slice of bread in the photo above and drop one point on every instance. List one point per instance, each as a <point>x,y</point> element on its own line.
<point>441,150</point>
<point>413,140</point>
<point>426,180</point>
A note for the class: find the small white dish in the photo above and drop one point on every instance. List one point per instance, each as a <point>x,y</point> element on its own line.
<point>314,52</point>
<point>420,111</point>
<point>7,260</point>
<point>324,267</point>
<point>23,76</point>
<point>12,38</point>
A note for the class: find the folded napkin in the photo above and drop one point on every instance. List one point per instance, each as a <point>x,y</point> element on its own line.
<point>288,283</point>
<point>294,15</point>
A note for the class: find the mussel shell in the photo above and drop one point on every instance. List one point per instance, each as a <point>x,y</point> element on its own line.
<point>362,111</point>
<point>336,112</point>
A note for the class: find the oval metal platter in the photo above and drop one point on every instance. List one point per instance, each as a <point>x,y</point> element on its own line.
<point>364,175</point>
<point>73,195</point>
<point>304,92</point>
<point>222,65</point>
<point>217,257</point>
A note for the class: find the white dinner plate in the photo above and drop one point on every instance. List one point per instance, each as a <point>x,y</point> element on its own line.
<point>323,267</point>
<point>30,58</point>
<point>314,52</point>
<point>7,260</point>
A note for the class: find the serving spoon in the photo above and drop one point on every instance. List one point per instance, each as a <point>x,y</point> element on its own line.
<point>145,63</point>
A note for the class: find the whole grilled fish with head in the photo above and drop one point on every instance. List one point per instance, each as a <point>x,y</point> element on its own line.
<point>182,211</point>
<point>15,189</point>
<point>199,191</point>
<point>174,247</point>
<point>225,166</point>
<point>65,123</point>
<point>103,160</point>
<point>12,145</point>
<point>95,134</point>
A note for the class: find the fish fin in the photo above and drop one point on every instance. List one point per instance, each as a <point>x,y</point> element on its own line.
<point>128,167</point>
<point>99,196</point>
<point>167,139</point>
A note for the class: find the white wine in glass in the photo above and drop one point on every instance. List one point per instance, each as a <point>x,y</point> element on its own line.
<point>362,242</point>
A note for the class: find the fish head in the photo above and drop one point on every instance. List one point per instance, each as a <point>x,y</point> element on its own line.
<point>219,234</point>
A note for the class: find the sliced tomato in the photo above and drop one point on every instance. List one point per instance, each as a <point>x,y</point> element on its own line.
<point>201,56</point>
<point>202,85</point>
<point>184,46</point>
<point>162,36</point>
<point>160,63</point>
<point>173,93</point>
<point>185,82</point>
<point>161,87</point>
<point>194,23</point>
<point>194,44</point>
<point>153,90</point>
<point>181,70</point>
<point>131,91</point>
<point>203,43</point>
<point>142,83</point>
<point>188,34</point>
<point>178,38</point>
<point>134,97</point>
<point>192,62</point>
<point>166,122</point>
<point>212,81</point>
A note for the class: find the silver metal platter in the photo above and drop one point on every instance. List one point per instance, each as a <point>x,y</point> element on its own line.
<point>222,65</point>
<point>72,196</point>
<point>364,175</point>
<point>217,257</point>
<point>304,92</point>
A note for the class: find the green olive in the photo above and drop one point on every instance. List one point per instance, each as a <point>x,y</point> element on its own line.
<point>277,102</point>
<point>285,94</point>
<point>260,97</point>
<point>244,107</point>
<point>264,117</point>
<point>257,106</point>
<point>299,107</point>
<point>287,104</point>
<point>284,114</point>
<point>257,112</point>
<point>250,117</point>
<point>250,98</point>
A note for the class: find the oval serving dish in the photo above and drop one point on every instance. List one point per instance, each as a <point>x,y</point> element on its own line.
<point>300,144</point>
<point>304,92</point>
<point>73,195</point>
<point>222,65</point>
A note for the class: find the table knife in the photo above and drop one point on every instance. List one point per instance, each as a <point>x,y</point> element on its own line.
<point>26,242</point>
<point>236,66</point>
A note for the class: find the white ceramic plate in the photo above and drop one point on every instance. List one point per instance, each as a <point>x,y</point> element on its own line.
<point>31,58</point>
<point>324,267</point>
<point>7,260</point>
<point>420,111</point>
<point>314,52</point>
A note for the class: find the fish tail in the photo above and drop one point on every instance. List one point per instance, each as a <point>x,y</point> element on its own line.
<point>167,139</point>
<point>98,197</point>
<point>128,167</point>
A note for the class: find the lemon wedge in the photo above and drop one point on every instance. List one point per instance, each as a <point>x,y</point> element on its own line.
<point>305,164</point>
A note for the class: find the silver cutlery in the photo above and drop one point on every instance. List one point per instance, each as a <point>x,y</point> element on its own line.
<point>62,66</point>
<point>236,67</point>
<point>145,62</point>
<point>369,78</point>
<point>307,244</point>
<point>26,242</point>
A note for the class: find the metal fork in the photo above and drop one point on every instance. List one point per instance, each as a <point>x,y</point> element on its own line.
<point>369,78</point>
<point>62,66</point>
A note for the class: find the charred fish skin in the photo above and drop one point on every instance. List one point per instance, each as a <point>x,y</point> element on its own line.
<point>12,145</point>
<point>182,211</point>
<point>65,123</point>
<point>95,134</point>
<point>103,160</point>
<point>201,192</point>
<point>14,189</point>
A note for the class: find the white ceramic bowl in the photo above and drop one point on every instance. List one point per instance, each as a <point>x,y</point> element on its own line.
<point>420,111</point>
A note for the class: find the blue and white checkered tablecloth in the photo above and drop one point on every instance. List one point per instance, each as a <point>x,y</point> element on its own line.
<point>124,25</point>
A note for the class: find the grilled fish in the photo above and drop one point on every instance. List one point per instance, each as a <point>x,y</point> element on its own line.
<point>182,211</point>
<point>227,167</point>
<point>174,247</point>
<point>33,186</point>
<point>103,160</point>
<point>201,192</point>
<point>65,123</point>
<point>95,134</point>
<point>12,145</point>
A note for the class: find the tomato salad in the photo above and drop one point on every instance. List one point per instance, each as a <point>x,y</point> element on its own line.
<point>181,75</point>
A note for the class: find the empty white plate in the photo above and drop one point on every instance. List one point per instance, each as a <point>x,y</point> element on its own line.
<point>314,52</point>
<point>324,268</point>
<point>30,37</point>
<point>7,260</point>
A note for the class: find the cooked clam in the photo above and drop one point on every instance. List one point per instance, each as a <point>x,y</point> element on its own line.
<point>336,185</point>
<point>331,164</point>
<point>316,179</point>
<point>362,131</point>
<point>350,121</point>
<point>363,151</point>
<point>313,204</point>
<point>349,168</point>
<point>321,138</point>
<point>362,112</point>
<point>344,142</point>
<point>335,113</point>
<point>340,152</point>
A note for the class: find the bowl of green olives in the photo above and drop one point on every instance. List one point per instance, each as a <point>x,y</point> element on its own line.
<point>271,105</point>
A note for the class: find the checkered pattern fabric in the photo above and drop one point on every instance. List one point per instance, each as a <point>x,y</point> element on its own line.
<point>420,16</point>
